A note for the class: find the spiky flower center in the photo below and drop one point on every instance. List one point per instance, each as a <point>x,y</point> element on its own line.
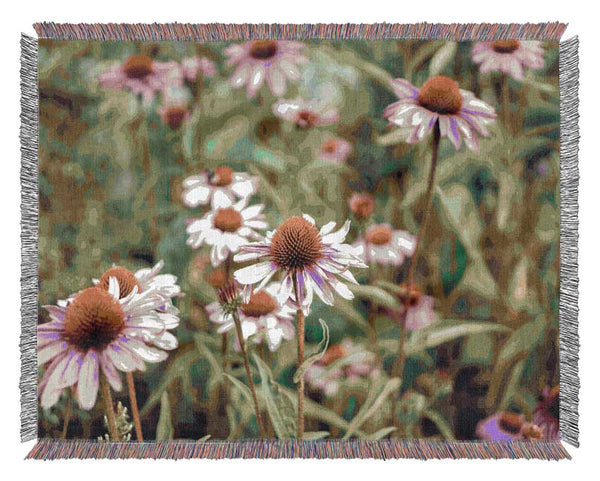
<point>334,353</point>
<point>138,66</point>
<point>260,304</point>
<point>229,297</point>
<point>379,235</point>
<point>441,94</point>
<point>362,205</point>
<point>93,320</point>
<point>222,176</point>
<point>330,146</point>
<point>227,220</point>
<point>511,422</point>
<point>505,46</point>
<point>296,244</point>
<point>306,119</point>
<point>174,117</point>
<point>263,49</point>
<point>126,279</point>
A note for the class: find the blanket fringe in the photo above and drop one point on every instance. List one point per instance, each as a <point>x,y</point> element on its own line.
<point>29,236</point>
<point>204,32</point>
<point>569,208</point>
<point>383,449</point>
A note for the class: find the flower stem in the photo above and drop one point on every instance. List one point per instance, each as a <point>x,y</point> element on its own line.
<point>398,368</point>
<point>240,335</point>
<point>505,96</point>
<point>67,417</point>
<point>108,407</point>
<point>300,334</point>
<point>134,406</point>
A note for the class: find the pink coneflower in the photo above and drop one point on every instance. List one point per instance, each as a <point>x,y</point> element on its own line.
<point>511,57</point>
<point>507,427</point>
<point>226,228</point>
<point>306,113</point>
<point>191,67</point>
<point>440,100</point>
<point>211,185</point>
<point>275,61</point>
<point>262,318</point>
<point>97,333</point>
<point>385,246</point>
<point>310,261</point>
<point>142,76</point>
<point>546,413</point>
<point>362,205</point>
<point>174,112</point>
<point>341,363</point>
<point>418,308</point>
<point>335,150</point>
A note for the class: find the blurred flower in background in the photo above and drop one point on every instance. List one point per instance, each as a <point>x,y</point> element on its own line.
<point>335,150</point>
<point>547,411</point>
<point>226,228</point>
<point>142,75</point>
<point>511,57</point>
<point>384,245</point>
<point>306,113</point>
<point>210,185</point>
<point>192,67</point>
<point>273,61</point>
<point>341,363</point>
<point>362,205</point>
<point>507,426</point>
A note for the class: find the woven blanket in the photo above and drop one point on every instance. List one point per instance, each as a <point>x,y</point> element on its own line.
<point>327,241</point>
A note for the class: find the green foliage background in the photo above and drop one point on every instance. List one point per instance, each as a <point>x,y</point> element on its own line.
<point>110,192</point>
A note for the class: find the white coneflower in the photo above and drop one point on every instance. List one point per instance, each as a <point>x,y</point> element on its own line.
<point>309,260</point>
<point>98,332</point>
<point>384,245</point>
<point>227,228</point>
<point>209,186</point>
<point>262,318</point>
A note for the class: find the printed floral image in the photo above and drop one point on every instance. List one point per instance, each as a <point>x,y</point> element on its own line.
<point>299,239</point>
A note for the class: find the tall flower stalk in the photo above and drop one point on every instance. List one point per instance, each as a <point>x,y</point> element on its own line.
<point>108,408</point>
<point>230,301</point>
<point>134,406</point>
<point>398,368</point>
<point>300,335</point>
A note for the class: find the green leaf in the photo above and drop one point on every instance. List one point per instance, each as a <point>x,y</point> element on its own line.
<point>315,435</point>
<point>444,426</point>
<point>523,339</point>
<point>321,348</point>
<point>279,407</point>
<point>245,390</point>
<point>368,409</point>
<point>442,58</point>
<point>380,434</point>
<point>446,331</point>
<point>376,295</point>
<point>164,428</point>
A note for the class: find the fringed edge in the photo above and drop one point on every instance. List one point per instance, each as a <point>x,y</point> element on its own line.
<point>384,449</point>
<point>569,222</point>
<point>207,32</point>
<point>29,236</point>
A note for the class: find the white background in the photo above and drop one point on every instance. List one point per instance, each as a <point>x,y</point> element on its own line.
<point>18,17</point>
